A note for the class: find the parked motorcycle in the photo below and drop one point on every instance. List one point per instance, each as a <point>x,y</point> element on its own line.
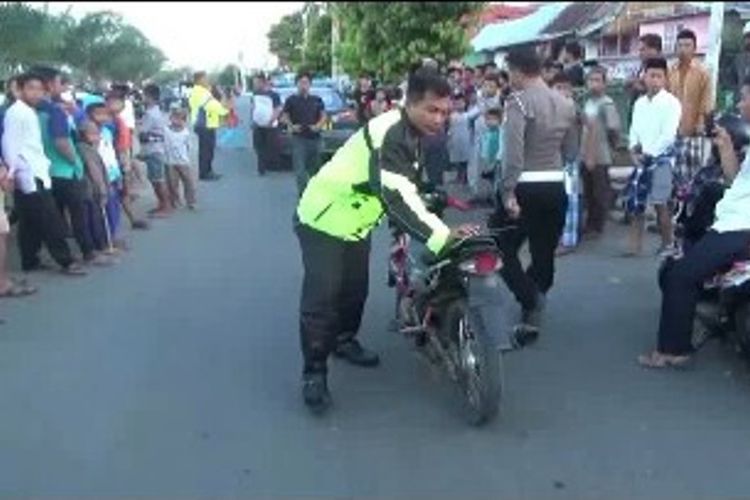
<point>436,308</point>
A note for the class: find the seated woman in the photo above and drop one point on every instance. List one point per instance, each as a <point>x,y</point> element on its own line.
<point>728,240</point>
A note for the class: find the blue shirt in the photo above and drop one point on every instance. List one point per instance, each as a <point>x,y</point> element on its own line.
<point>58,123</point>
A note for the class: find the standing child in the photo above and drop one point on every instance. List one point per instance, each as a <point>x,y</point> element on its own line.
<point>561,83</point>
<point>98,187</point>
<point>459,138</point>
<point>653,132</point>
<point>601,134</point>
<point>177,146</point>
<point>8,286</point>
<point>123,147</point>
<point>99,114</point>
<point>152,131</point>
<point>491,148</point>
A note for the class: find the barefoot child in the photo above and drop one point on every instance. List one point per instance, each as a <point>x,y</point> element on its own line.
<point>151,135</point>
<point>653,132</point>
<point>123,146</point>
<point>96,177</point>
<point>100,115</point>
<point>177,145</point>
<point>8,286</point>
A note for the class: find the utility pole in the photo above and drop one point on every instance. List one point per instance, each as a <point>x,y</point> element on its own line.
<point>715,28</point>
<point>335,39</point>
<point>305,31</point>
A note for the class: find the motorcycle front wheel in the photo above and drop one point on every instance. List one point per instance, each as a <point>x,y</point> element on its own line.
<point>478,361</point>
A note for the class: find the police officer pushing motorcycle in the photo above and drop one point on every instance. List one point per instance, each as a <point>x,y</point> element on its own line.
<point>376,172</point>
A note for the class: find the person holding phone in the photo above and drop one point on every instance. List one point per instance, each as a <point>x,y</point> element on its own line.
<point>304,115</point>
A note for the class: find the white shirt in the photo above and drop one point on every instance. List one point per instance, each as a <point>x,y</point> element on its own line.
<point>655,122</point>
<point>109,155</point>
<point>459,138</point>
<point>128,114</point>
<point>733,210</point>
<point>23,149</point>
<point>177,145</point>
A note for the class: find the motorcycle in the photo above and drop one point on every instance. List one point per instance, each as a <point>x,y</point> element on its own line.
<point>436,308</point>
<point>723,311</point>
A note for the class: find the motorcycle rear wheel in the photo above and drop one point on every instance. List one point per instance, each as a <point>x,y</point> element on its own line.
<point>741,329</point>
<point>478,363</point>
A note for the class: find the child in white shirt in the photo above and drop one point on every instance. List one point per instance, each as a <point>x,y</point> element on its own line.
<point>177,143</point>
<point>459,138</point>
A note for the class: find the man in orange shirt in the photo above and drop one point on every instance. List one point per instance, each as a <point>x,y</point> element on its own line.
<point>690,82</point>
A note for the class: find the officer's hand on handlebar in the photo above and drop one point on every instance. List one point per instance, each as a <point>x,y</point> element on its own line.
<point>512,207</point>
<point>465,231</point>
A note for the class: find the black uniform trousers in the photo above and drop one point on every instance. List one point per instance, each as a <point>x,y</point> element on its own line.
<point>543,206</point>
<point>334,291</point>
<point>206,150</point>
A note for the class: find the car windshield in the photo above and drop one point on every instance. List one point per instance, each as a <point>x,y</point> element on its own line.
<point>331,99</point>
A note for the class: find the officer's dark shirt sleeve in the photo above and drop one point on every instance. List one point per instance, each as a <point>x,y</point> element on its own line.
<point>404,206</point>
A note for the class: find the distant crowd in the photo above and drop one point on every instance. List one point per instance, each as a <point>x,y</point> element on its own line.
<point>71,163</point>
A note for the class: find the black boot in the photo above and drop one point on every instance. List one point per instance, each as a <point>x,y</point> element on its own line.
<point>352,351</point>
<point>315,392</point>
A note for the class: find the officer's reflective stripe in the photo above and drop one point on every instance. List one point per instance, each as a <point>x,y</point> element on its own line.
<point>542,176</point>
<point>408,193</point>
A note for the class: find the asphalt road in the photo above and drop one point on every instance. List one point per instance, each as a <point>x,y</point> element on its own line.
<point>176,374</point>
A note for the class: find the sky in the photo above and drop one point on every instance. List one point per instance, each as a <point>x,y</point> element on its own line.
<point>202,35</point>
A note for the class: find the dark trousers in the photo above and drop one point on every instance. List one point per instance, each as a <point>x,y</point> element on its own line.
<point>39,222</point>
<point>305,159</point>
<point>543,206</point>
<point>206,149</point>
<point>95,214</point>
<point>334,291</point>
<point>70,197</point>
<point>681,285</point>
<point>597,196</point>
<point>266,144</point>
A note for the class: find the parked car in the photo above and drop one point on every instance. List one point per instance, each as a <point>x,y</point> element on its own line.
<point>341,123</point>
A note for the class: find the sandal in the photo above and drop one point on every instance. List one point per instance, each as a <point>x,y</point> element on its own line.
<point>524,335</point>
<point>631,254</point>
<point>17,290</point>
<point>657,360</point>
<point>74,270</point>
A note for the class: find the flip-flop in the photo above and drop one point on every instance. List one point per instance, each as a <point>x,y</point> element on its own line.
<point>16,291</point>
<point>629,254</point>
<point>655,360</point>
<point>524,335</point>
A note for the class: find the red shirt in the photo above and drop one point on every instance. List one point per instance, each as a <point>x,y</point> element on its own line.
<point>124,138</point>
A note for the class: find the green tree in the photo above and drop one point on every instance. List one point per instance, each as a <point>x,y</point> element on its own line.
<point>228,76</point>
<point>105,46</point>
<point>388,37</point>
<point>287,40</point>
<point>173,75</point>
<point>29,35</point>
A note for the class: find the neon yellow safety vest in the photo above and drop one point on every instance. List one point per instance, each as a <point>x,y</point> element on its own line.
<point>202,97</point>
<point>349,195</point>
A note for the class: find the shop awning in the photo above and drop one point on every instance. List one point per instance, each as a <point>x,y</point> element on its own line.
<point>519,31</point>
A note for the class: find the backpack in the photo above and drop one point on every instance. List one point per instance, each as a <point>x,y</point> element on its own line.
<point>201,118</point>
